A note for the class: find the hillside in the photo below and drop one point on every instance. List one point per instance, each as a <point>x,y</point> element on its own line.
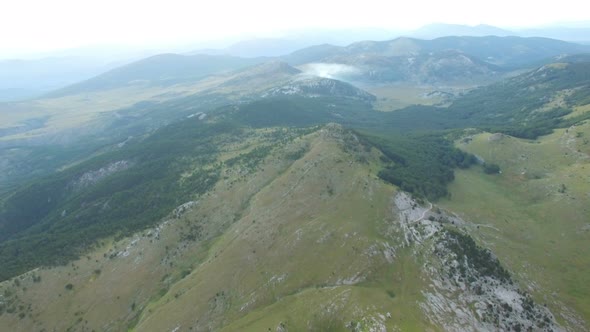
<point>528,105</point>
<point>535,214</point>
<point>368,256</point>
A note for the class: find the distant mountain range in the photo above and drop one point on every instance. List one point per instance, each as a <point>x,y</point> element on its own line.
<point>502,51</point>
<point>441,60</point>
<point>438,61</point>
<point>22,79</point>
<point>579,33</point>
<point>289,44</point>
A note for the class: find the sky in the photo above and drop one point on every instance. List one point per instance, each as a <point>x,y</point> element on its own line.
<point>45,25</point>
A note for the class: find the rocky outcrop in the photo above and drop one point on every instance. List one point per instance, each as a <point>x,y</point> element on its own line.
<point>468,287</point>
<point>92,177</point>
<point>311,87</point>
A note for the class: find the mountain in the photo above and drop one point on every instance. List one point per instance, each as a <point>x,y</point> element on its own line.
<point>508,52</point>
<point>164,69</point>
<point>233,254</point>
<point>437,30</point>
<point>382,62</point>
<point>402,59</point>
<point>567,32</point>
<point>432,68</point>
<point>527,106</point>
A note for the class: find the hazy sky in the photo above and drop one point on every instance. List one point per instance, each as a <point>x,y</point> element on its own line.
<point>36,25</point>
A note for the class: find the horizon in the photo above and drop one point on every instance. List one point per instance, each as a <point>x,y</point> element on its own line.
<point>64,25</point>
<point>122,50</point>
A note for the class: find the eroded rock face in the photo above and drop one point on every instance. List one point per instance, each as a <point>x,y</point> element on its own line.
<point>471,289</point>
<point>468,287</point>
<point>92,177</point>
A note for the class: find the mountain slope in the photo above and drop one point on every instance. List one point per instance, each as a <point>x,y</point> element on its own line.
<point>167,250</point>
<point>535,214</point>
<point>305,237</point>
<point>164,69</point>
<point>528,105</point>
<point>188,232</point>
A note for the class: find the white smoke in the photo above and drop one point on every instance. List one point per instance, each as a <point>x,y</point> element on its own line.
<point>335,71</point>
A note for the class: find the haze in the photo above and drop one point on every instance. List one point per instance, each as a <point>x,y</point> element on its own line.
<point>30,26</point>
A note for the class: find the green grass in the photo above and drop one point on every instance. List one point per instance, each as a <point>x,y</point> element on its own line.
<point>296,222</point>
<point>535,229</point>
<point>397,96</point>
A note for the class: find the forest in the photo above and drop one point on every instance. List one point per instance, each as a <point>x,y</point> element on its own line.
<point>49,222</point>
